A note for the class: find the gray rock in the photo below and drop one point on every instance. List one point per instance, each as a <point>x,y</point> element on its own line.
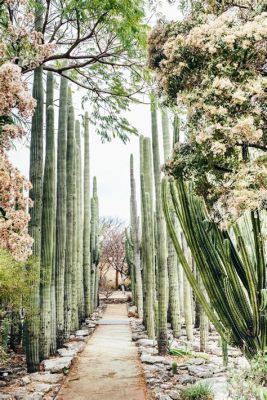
<point>146,343</point>
<point>162,396</point>
<point>166,386</point>
<point>21,394</point>
<point>67,352</point>
<point>3,383</point>
<point>146,358</point>
<point>200,371</point>
<point>147,350</point>
<point>174,395</point>
<point>185,379</point>
<point>75,345</point>
<point>82,332</point>
<point>219,387</point>
<point>33,396</point>
<point>46,377</point>
<point>57,364</point>
<point>91,325</point>
<point>26,380</point>
<point>137,336</point>
<point>41,387</point>
<point>5,396</point>
<point>197,361</point>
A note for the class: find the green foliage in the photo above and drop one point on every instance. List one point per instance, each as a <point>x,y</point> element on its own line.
<point>15,280</point>
<point>250,383</point>
<point>200,391</point>
<point>179,352</point>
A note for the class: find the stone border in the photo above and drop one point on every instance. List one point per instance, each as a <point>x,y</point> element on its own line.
<point>46,384</point>
<point>208,367</point>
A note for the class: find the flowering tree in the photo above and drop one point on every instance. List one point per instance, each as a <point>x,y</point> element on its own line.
<point>213,65</point>
<point>19,46</point>
<point>98,45</point>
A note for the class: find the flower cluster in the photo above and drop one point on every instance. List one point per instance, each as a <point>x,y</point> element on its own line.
<point>14,91</point>
<point>213,67</point>
<point>13,211</point>
<point>21,49</point>
<point>20,42</point>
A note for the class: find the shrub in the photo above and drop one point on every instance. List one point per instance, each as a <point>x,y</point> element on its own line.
<point>250,383</point>
<point>200,391</point>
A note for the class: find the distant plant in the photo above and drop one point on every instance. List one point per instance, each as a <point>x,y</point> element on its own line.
<point>179,352</point>
<point>174,368</point>
<point>106,287</point>
<point>250,383</point>
<point>200,391</point>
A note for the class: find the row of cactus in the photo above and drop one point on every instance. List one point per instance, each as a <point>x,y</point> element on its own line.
<point>232,268</point>
<point>159,287</point>
<point>64,224</point>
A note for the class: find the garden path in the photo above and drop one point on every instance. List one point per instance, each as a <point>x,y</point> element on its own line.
<point>109,367</point>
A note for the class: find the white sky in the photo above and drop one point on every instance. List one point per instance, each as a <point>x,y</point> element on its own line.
<point>110,161</point>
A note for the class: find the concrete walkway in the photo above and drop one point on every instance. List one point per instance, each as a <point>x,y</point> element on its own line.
<point>109,367</point>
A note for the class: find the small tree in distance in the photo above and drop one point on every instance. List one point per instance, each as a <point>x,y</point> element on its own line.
<point>113,267</point>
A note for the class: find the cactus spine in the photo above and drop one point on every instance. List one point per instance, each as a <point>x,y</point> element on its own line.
<point>61,210</point>
<point>47,233</point>
<point>69,221</point>
<point>87,226</point>
<point>136,244</point>
<point>36,178</point>
<point>160,240</point>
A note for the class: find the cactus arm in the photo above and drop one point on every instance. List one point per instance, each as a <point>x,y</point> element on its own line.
<point>189,274</point>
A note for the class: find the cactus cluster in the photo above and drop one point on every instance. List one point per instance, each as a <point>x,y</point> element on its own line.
<point>160,291</point>
<point>64,224</point>
<point>232,268</point>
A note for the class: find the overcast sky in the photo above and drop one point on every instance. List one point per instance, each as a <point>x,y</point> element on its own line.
<point>110,161</point>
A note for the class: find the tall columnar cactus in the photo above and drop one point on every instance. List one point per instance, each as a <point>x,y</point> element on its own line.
<point>160,240</point>
<point>94,245</point>
<point>234,280</point>
<point>143,270</point>
<point>187,292</point>
<point>87,223</point>
<point>75,268</point>
<point>70,164</point>
<point>79,222</point>
<point>97,253</point>
<point>136,244</point>
<point>61,209</point>
<point>93,252</point>
<point>47,233</point>
<point>204,323</point>
<point>129,256</point>
<point>148,236</point>
<point>174,299</point>
<point>176,130</point>
<point>148,259</point>
<point>36,177</point>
